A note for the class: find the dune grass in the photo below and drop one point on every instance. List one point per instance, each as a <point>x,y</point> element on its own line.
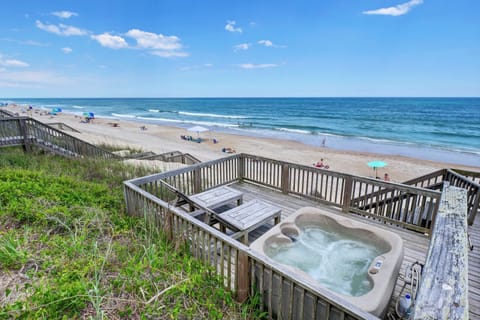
<point>68,251</point>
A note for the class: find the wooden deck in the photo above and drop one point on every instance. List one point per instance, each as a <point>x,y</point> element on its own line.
<point>415,244</point>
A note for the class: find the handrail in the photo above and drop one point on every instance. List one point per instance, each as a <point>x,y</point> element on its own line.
<point>456,177</point>
<point>473,192</point>
<point>30,131</point>
<point>36,133</point>
<point>39,130</point>
<point>445,274</point>
<point>433,180</point>
<point>6,114</point>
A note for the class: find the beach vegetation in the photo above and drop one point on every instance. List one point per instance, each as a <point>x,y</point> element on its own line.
<point>69,251</point>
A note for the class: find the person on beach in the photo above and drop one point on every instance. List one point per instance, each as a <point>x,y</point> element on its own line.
<point>386,177</point>
<point>228,150</point>
<point>320,164</point>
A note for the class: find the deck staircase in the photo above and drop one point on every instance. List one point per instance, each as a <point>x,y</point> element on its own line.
<point>30,133</point>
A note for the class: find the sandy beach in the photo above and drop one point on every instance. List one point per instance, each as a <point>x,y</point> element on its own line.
<point>160,138</point>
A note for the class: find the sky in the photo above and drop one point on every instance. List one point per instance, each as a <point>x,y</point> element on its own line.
<point>240,48</point>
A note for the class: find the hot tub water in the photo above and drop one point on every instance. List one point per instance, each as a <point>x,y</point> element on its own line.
<point>337,260</point>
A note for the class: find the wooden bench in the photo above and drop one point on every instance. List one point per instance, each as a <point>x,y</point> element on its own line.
<point>248,217</point>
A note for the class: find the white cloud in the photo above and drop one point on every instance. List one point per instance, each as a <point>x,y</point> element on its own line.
<point>160,45</point>
<point>397,10</point>
<point>64,14</point>
<point>67,50</point>
<point>266,43</point>
<point>258,66</point>
<point>242,46</point>
<point>61,29</point>
<point>149,40</point>
<point>110,41</point>
<point>12,62</point>
<point>230,26</point>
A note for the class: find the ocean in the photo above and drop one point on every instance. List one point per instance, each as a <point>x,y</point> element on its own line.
<point>440,129</point>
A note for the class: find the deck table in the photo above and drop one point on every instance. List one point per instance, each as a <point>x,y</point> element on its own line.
<point>248,217</point>
<point>217,197</point>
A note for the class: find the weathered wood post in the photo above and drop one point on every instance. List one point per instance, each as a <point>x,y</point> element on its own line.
<point>475,208</point>
<point>347,194</point>
<point>24,132</point>
<point>243,277</point>
<point>197,180</point>
<point>241,167</point>
<point>285,178</point>
<point>443,292</point>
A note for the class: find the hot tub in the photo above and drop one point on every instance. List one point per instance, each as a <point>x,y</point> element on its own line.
<point>354,260</point>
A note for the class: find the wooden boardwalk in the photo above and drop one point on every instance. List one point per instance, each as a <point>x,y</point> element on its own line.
<point>415,244</point>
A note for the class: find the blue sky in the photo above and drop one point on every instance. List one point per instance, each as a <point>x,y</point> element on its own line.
<point>246,48</point>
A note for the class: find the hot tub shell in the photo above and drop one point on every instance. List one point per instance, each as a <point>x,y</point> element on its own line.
<point>383,271</point>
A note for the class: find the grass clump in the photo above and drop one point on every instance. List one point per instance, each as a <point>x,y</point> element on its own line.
<point>68,251</point>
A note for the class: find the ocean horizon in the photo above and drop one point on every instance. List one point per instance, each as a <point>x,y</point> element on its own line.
<point>438,129</point>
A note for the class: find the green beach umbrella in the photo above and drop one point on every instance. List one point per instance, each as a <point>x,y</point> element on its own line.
<point>376,164</point>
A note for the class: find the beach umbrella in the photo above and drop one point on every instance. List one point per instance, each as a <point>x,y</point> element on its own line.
<point>198,130</point>
<point>376,164</point>
<point>89,114</point>
<point>55,111</point>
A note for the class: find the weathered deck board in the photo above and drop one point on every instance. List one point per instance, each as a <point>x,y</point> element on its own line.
<point>416,245</point>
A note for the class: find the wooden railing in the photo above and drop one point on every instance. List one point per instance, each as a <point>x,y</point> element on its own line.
<point>432,180</point>
<point>173,156</point>
<point>410,207</point>
<point>29,132</point>
<point>467,180</point>
<point>443,291</point>
<point>11,132</point>
<point>6,114</point>
<point>473,192</point>
<point>473,176</point>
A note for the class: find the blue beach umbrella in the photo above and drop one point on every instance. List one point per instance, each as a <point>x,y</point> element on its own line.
<point>55,110</point>
<point>376,164</point>
<point>89,115</point>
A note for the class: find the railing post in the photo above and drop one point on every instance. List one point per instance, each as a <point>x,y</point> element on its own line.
<point>241,167</point>
<point>285,178</point>
<point>24,132</point>
<point>243,277</point>
<point>474,210</point>
<point>347,193</point>
<point>197,181</point>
